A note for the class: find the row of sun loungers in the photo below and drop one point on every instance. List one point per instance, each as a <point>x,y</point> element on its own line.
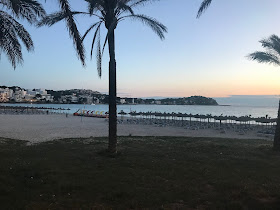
<point>241,129</point>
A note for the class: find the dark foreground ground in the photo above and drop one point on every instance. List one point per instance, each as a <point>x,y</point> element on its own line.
<point>150,172</point>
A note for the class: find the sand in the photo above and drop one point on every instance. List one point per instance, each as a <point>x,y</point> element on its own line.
<point>39,128</point>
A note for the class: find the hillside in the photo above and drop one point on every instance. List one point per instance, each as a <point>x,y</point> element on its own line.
<point>193,100</point>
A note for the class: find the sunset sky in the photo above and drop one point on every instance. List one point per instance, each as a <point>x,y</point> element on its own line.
<point>203,56</point>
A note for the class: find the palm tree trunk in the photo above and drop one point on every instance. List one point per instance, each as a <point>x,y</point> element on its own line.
<point>112,146</point>
<point>276,144</point>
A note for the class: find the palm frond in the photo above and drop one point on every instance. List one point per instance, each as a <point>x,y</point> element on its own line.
<point>55,18</point>
<point>204,5</point>
<point>105,42</point>
<point>90,28</point>
<point>272,44</point>
<point>264,57</point>
<point>95,5</point>
<point>30,10</point>
<point>10,45</point>
<point>19,30</point>
<point>10,31</point>
<point>122,6</point>
<point>94,38</point>
<point>136,3</point>
<point>73,30</point>
<point>155,25</point>
<point>24,36</point>
<point>109,32</point>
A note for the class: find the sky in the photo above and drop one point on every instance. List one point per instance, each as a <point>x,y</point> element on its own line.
<point>205,56</point>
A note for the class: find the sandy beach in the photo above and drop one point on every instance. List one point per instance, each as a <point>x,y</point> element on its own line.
<point>38,128</point>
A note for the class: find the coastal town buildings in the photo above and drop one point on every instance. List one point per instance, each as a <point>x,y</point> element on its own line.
<point>158,102</point>
<point>19,95</point>
<point>5,94</point>
<point>16,94</point>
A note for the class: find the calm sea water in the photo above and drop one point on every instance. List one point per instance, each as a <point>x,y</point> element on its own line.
<point>233,110</point>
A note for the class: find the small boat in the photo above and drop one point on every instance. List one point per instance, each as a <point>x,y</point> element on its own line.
<point>92,104</point>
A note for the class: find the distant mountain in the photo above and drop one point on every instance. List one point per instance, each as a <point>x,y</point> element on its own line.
<point>193,100</point>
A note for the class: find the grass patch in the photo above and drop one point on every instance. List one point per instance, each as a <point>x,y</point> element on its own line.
<point>150,172</point>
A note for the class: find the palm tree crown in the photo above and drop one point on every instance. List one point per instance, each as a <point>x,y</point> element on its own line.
<point>107,12</point>
<point>11,30</point>
<point>272,53</point>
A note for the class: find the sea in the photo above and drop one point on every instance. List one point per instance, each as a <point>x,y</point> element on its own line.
<point>256,106</point>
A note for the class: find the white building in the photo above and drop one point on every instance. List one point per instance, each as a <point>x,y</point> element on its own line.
<point>4,94</point>
<point>11,93</point>
<point>47,97</point>
<point>89,100</point>
<point>74,99</point>
<point>19,95</point>
<point>122,100</point>
<point>96,100</point>
<point>34,92</point>
<point>30,94</point>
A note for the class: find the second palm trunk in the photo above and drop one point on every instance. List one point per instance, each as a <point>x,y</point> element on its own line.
<point>276,144</point>
<point>112,146</point>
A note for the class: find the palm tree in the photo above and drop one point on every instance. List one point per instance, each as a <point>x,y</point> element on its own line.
<point>110,13</point>
<point>11,30</point>
<point>270,56</point>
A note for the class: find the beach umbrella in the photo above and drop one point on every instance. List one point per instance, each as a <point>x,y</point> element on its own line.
<point>245,119</point>
<point>140,114</point>
<point>165,115</point>
<point>122,113</point>
<point>209,116</point>
<point>203,117</point>
<point>220,118</point>
<point>190,116</point>
<point>147,114</point>
<point>158,114</point>
<point>197,116</point>
<point>185,115</point>
<point>173,115</point>
<point>143,114</point>
<point>263,120</point>
<point>182,117</point>
<point>133,113</point>
<point>153,114</point>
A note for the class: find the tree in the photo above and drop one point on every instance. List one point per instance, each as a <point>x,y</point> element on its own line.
<point>270,56</point>
<point>11,31</point>
<point>110,13</point>
<point>38,96</point>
